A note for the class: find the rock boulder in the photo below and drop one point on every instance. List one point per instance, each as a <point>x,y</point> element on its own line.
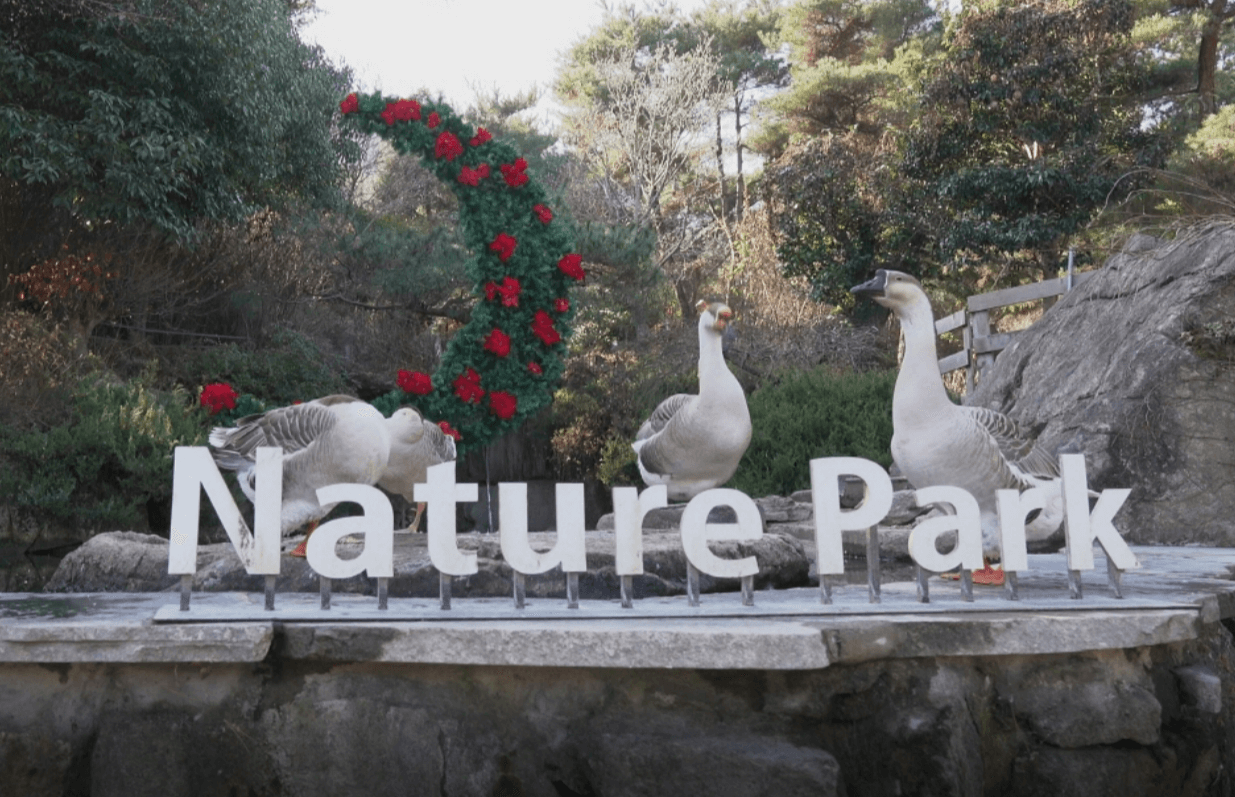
<point>1135,368</point>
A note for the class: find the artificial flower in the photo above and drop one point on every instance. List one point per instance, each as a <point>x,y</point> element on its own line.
<point>481,137</point>
<point>219,396</point>
<point>561,305</point>
<point>434,120</point>
<point>415,382</point>
<point>504,245</point>
<point>407,111</point>
<point>515,173</point>
<point>535,368</point>
<point>448,146</point>
<point>472,177</point>
<point>543,213</point>
<point>498,342</point>
<point>449,430</point>
<point>571,266</point>
<point>467,387</point>
<point>542,327</point>
<point>350,104</point>
<point>503,404</point>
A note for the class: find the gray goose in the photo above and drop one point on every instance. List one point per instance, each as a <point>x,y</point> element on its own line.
<point>936,442</point>
<point>410,461</point>
<point>331,440</point>
<point>692,443</point>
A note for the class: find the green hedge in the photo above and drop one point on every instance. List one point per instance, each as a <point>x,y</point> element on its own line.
<point>811,414</point>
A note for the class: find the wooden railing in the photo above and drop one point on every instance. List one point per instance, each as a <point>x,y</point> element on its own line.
<point>979,346</point>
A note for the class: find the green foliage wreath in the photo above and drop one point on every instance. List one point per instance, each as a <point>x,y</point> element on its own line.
<point>502,366</point>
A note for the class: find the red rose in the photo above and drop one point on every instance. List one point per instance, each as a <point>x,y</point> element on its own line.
<point>502,404</point>
<point>350,104</point>
<point>542,327</point>
<point>407,111</point>
<point>504,245</point>
<point>490,291</point>
<point>415,382</point>
<point>481,137</point>
<point>467,387</point>
<point>498,342</point>
<point>434,120</point>
<point>219,396</point>
<point>570,266</point>
<point>447,146</point>
<point>535,368</point>
<point>515,173</point>
<point>561,305</point>
<point>543,213</point>
<point>389,113</point>
<point>446,428</point>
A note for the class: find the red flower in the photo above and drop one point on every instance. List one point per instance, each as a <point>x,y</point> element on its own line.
<point>561,305</point>
<point>490,290</point>
<point>570,266</point>
<point>510,290</point>
<point>535,368</point>
<point>481,137</point>
<point>389,113</point>
<point>415,382</point>
<point>542,327</point>
<point>407,111</point>
<point>447,146</point>
<point>434,120</point>
<point>467,387</point>
<point>516,173</point>
<point>504,245</point>
<point>543,213</point>
<point>498,342</point>
<point>446,428</point>
<point>472,177</point>
<point>219,396</point>
<point>350,104</point>
<point>502,404</point>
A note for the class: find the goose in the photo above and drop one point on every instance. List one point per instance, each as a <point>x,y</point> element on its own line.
<point>936,442</point>
<point>693,443</point>
<point>331,440</point>
<point>410,461</point>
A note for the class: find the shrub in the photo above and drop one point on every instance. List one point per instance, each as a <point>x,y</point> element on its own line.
<point>290,369</point>
<point>108,462</point>
<point>811,414</point>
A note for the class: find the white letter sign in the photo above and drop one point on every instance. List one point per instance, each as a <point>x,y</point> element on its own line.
<point>569,551</point>
<point>629,507</point>
<point>1083,528</point>
<point>967,523</point>
<point>696,531</point>
<point>830,521</point>
<point>377,526</point>
<point>441,494</point>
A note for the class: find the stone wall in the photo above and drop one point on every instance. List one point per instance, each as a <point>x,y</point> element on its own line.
<point>1145,721</point>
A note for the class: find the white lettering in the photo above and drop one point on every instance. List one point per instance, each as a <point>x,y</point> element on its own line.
<point>830,520</point>
<point>696,531</point>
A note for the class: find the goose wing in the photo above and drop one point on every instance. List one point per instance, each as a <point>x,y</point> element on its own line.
<point>291,428</point>
<point>663,413</point>
<point>1021,454</point>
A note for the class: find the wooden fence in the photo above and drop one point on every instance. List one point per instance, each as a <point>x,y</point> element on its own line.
<point>979,345</point>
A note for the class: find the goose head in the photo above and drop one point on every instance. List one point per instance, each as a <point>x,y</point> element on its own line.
<point>406,425</point>
<point>713,315</point>
<point>897,291</point>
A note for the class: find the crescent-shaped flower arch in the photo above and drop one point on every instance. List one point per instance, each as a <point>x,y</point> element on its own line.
<point>503,365</point>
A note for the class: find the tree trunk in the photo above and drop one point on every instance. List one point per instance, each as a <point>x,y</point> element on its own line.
<point>1207,60</point>
<point>740,205</point>
<point>720,166</point>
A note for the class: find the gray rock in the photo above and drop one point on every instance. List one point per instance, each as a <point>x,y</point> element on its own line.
<point>669,518</point>
<point>1201,687</point>
<point>132,562</point>
<point>1134,369</point>
<point>777,509</point>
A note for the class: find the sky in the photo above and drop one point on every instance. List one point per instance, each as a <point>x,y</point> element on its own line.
<point>453,46</point>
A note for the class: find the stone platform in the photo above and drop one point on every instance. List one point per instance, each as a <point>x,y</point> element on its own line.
<point>125,694</point>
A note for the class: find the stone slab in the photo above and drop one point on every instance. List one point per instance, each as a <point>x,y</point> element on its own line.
<point>1169,599</point>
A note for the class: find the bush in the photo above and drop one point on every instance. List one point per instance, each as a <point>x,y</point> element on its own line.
<point>290,369</point>
<point>106,465</point>
<point>811,414</point>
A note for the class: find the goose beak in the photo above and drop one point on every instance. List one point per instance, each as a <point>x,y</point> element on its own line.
<point>874,288</point>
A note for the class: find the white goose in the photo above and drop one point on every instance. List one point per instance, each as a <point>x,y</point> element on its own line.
<point>693,443</point>
<point>409,462</point>
<point>330,440</point>
<point>936,442</point>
